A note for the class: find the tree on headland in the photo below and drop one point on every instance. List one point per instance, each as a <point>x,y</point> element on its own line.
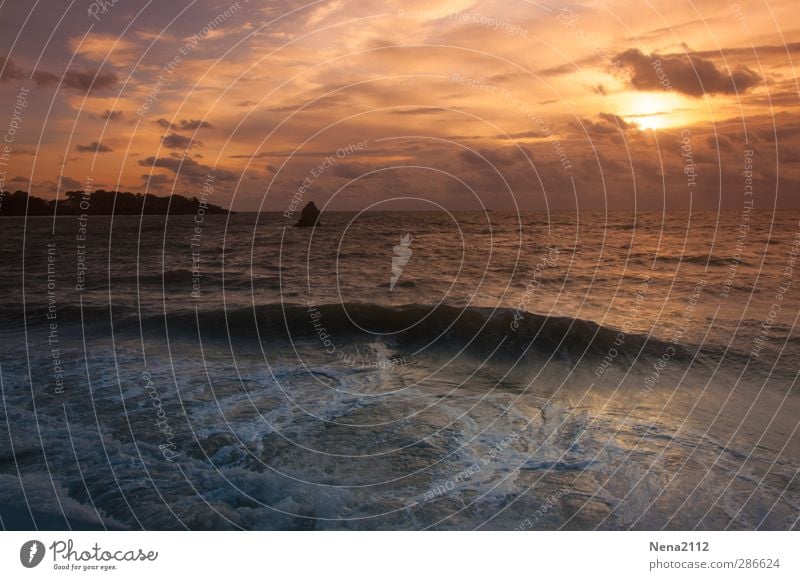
<point>15,204</point>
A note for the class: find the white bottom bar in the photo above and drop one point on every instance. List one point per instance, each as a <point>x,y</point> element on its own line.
<point>402,555</point>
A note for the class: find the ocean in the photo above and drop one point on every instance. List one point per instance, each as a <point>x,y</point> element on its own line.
<point>401,371</point>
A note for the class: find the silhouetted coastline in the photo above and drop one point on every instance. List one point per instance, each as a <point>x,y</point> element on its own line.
<point>101,202</point>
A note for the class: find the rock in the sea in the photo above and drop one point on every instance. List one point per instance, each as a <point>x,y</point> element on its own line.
<point>308,217</point>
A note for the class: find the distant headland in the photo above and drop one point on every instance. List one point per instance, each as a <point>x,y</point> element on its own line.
<point>103,202</point>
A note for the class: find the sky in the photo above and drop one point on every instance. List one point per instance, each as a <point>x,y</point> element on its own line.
<point>371,104</point>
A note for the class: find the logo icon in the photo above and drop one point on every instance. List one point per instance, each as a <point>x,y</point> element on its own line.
<point>31,553</point>
<point>400,259</point>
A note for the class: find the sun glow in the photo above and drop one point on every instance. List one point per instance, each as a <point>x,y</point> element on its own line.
<point>650,121</point>
<point>652,110</point>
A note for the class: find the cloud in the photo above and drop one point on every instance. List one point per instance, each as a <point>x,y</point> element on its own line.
<point>350,170</point>
<point>502,156</point>
<point>82,81</point>
<point>615,120</point>
<point>194,124</point>
<point>62,183</point>
<point>533,134</point>
<point>155,179</point>
<point>188,170</point>
<point>176,141</point>
<point>112,115</point>
<point>70,183</point>
<point>605,124</point>
<point>9,70</point>
<point>111,48</point>
<point>321,12</point>
<point>260,155</point>
<point>93,147</point>
<point>687,74</point>
<point>184,124</point>
<point>421,111</point>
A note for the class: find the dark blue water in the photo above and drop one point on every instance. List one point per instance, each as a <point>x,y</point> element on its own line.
<point>401,371</point>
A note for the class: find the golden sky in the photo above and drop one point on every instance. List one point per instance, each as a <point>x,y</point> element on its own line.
<point>502,104</point>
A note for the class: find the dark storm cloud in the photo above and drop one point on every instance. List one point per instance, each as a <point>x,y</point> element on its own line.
<point>93,147</point>
<point>688,74</point>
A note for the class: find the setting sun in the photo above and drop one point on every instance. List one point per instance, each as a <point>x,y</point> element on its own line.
<point>650,122</point>
<point>652,110</point>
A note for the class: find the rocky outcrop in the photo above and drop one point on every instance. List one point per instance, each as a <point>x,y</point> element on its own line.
<point>309,217</point>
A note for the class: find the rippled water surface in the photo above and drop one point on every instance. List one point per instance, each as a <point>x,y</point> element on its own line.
<point>522,372</point>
